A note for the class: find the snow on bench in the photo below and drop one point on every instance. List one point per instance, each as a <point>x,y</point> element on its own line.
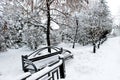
<point>53,71</point>
<point>23,76</point>
<point>44,72</point>
<point>36,61</point>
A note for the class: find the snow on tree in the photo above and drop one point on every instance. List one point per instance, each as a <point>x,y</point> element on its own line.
<point>99,21</point>
<point>54,10</point>
<point>31,21</point>
<point>20,16</point>
<point>93,22</point>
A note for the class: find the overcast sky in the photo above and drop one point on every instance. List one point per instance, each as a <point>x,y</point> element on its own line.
<point>114,8</point>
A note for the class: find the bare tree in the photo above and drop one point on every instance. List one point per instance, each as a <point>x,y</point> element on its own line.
<point>56,8</point>
<point>48,24</point>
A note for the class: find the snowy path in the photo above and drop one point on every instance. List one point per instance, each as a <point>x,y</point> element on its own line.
<point>104,65</point>
<point>10,63</point>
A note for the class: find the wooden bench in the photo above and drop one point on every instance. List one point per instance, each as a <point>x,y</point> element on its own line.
<point>37,61</point>
<point>54,71</point>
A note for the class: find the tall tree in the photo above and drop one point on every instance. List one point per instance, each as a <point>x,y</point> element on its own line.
<point>100,19</point>
<point>55,5</point>
<point>48,24</point>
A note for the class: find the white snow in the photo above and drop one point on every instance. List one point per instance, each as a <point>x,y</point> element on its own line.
<point>10,63</point>
<point>54,25</point>
<point>23,76</point>
<point>103,65</point>
<point>44,71</point>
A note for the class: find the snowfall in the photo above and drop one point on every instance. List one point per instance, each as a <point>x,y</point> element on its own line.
<point>102,65</point>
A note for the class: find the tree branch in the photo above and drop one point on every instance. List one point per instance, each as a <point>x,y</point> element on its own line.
<point>61,12</point>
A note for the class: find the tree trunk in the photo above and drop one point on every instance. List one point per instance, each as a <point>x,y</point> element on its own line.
<point>99,44</point>
<point>62,38</point>
<point>32,6</point>
<point>75,34</point>
<point>48,25</point>
<point>94,48</point>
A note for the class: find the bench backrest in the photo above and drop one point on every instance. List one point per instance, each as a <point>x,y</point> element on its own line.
<point>48,58</point>
<point>45,56</point>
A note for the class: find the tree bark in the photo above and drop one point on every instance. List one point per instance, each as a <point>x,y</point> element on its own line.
<point>99,44</point>
<point>48,25</point>
<point>75,34</point>
<point>32,5</point>
<point>94,48</point>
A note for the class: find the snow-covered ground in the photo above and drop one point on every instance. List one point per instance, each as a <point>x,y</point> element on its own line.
<point>10,63</point>
<point>103,65</point>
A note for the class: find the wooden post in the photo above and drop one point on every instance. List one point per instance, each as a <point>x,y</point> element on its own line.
<point>57,74</point>
<point>62,69</point>
<point>23,62</point>
<point>49,75</point>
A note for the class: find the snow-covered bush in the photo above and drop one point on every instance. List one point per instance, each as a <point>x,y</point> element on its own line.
<point>34,37</point>
<point>55,38</point>
<point>93,35</point>
<point>2,43</point>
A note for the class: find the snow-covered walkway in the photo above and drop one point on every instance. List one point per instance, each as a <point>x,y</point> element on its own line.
<point>10,63</point>
<point>104,65</point>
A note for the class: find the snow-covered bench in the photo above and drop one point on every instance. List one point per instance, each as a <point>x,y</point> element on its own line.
<point>54,72</point>
<point>38,60</point>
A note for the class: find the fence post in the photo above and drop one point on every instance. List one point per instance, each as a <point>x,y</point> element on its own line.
<point>23,62</point>
<point>49,75</point>
<point>62,69</point>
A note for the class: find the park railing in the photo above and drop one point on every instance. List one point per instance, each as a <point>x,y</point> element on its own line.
<point>51,72</point>
<point>54,69</point>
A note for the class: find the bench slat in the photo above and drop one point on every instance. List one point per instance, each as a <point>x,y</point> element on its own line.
<point>44,56</point>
